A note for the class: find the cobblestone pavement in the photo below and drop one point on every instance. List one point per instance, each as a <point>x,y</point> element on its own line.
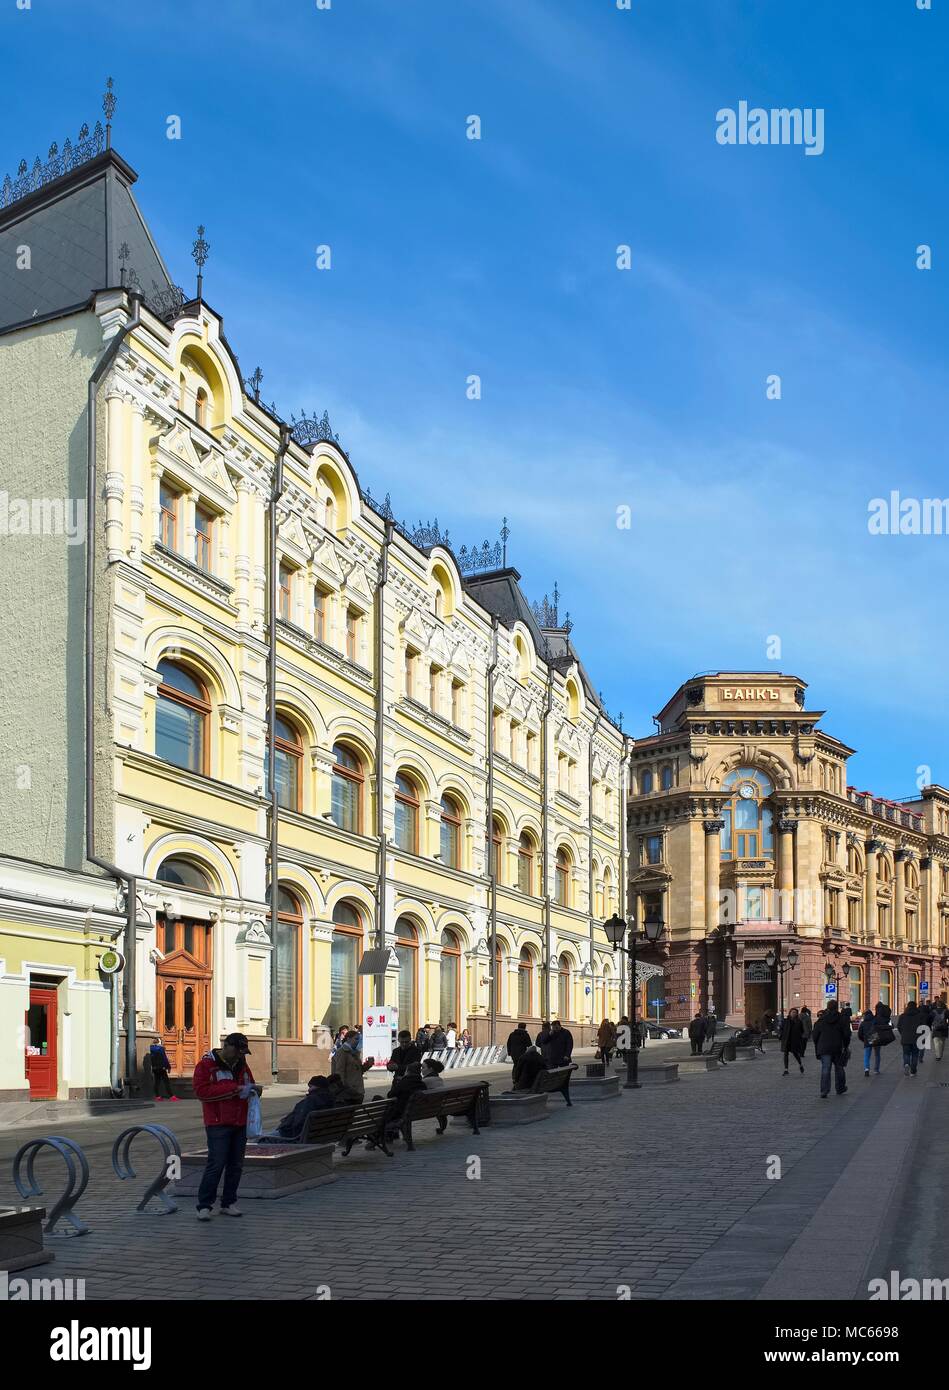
<point>636,1193</point>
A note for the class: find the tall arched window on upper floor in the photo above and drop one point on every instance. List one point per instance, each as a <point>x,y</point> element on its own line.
<point>289,947</point>
<point>288,762</point>
<point>181,718</point>
<point>666,779</point>
<point>406,814</point>
<point>573,700</point>
<point>449,982</point>
<point>854,860</point>
<point>747,832</point>
<point>884,872</point>
<point>450,838</point>
<point>497,853</point>
<point>349,778</point>
<point>562,878</point>
<point>406,950</point>
<point>526,864</point>
<point>345,953</point>
<point>564,987</point>
<point>645,782</point>
<point>525,983</point>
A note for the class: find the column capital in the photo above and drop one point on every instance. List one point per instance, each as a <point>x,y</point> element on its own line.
<point>713,827</point>
<point>786,825</point>
<point>873,846</point>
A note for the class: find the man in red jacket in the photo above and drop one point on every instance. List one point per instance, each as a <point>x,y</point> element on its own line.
<point>223,1083</point>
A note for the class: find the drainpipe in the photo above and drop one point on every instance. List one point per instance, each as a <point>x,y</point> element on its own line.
<point>623,866</point>
<point>545,877</point>
<point>492,872</point>
<point>124,878</point>
<point>276,492</point>
<point>382,850</point>
<point>592,896</point>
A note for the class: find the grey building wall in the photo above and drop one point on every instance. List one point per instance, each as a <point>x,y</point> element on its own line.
<point>43,380</point>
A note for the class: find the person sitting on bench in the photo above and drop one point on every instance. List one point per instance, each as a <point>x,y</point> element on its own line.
<point>527,1068</point>
<point>402,1089</point>
<point>290,1130</point>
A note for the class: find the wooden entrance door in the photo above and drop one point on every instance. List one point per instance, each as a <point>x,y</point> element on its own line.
<point>41,1044</point>
<point>183,980</point>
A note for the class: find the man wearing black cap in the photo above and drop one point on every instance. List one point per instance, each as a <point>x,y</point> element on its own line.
<point>223,1083</point>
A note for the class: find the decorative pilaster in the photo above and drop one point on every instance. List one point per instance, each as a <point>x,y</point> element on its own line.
<point>870,886</point>
<point>786,827</point>
<point>115,477</point>
<point>900,856</point>
<point>713,829</point>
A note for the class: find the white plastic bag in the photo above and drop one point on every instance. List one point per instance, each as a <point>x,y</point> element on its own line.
<point>254,1121</point>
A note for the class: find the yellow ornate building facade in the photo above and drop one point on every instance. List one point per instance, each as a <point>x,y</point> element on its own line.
<point>449,785</point>
<point>778,882</point>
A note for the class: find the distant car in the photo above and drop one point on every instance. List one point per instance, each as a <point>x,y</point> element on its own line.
<point>662,1030</point>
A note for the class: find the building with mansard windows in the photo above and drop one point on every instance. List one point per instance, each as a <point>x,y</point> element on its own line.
<point>776,879</point>
<point>448,782</point>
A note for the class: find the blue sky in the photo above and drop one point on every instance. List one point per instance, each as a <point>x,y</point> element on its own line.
<point>601,388</point>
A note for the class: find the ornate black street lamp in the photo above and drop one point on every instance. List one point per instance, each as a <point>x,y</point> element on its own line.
<point>836,976</point>
<point>771,960</point>
<point>616,930</point>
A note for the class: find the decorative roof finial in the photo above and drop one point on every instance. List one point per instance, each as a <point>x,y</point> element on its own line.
<point>254,382</point>
<point>108,106</point>
<point>199,252</point>
<point>123,257</point>
<point>505,532</point>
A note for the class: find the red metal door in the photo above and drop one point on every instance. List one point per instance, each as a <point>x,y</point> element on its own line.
<point>40,1043</point>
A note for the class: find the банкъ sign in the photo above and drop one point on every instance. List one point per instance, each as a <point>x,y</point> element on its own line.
<point>750,692</point>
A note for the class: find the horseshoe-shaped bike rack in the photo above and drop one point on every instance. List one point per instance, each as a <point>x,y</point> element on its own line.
<point>122,1165</point>
<point>76,1183</point>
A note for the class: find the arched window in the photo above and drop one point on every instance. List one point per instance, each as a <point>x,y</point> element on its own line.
<point>562,879</point>
<point>289,939</point>
<point>288,761</point>
<point>182,873</point>
<point>573,701</point>
<point>645,783</point>
<point>525,984</point>
<point>497,854</point>
<point>855,980</point>
<point>884,872</point>
<point>564,988</point>
<point>348,780</point>
<point>345,952</point>
<point>747,832</point>
<point>450,843</point>
<point>854,860</point>
<point>406,816</point>
<point>526,872</point>
<point>522,659</point>
<point>201,407</point>
<point>329,513</point>
<point>665,779</point>
<point>406,950</point>
<point>181,719</point>
<point>499,973</point>
<point>599,899</point>
<point>607,890</point>
<point>449,997</point>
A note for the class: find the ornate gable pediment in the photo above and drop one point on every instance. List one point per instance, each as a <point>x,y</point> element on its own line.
<point>358,584</point>
<point>416,627</point>
<point>326,561</point>
<point>176,450</point>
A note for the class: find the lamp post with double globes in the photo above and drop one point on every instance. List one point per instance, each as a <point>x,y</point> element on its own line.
<point>616,931</point>
<point>771,959</point>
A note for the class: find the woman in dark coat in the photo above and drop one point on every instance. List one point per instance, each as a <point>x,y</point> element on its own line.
<point>868,1026</point>
<point>793,1041</point>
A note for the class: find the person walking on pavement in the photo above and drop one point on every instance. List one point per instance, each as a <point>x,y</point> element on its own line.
<point>624,1038</point>
<point>908,1025</point>
<point>807,1024</point>
<point>929,1013</point>
<point>711,1024</point>
<point>161,1072</point>
<point>792,1040</point>
<point>831,1043</point>
<point>223,1083</point>
<point>867,1029</point>
<point>697,1034</point>
<point>940,1028</point>
<point>606,1040</point>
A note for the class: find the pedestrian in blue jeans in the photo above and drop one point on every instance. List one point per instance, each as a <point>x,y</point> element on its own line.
<point>868,1026</point>
<point>223,1083</point>
<point>831,1043</point>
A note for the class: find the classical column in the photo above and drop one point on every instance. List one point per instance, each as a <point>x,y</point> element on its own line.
<point>927,935</point>
<point>900,857</point>
<point>870,886</point>
<point>712,830</point>
<point>137,481</point>
<point>786,827</point>
<point>115,477</point>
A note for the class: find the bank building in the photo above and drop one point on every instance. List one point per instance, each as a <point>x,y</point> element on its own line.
<point>777,881</point>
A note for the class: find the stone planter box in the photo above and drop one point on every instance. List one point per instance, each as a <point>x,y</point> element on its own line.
<point>700,1064</point>
<point>270,1170</point>
<point>21,1238</point>
<point>593,1087</point>
<point>522,1109</point>
<point>656,1076</point>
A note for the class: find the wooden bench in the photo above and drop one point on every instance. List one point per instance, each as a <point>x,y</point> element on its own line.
<point>554,1081</point>
<point>438,1104</point>
<point>717,1052</point>
<point>345,1124</point>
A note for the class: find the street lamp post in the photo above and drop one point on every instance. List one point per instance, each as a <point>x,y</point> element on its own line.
<point>616,931</point>
<point>836,976</point>
<point>771,959</point>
